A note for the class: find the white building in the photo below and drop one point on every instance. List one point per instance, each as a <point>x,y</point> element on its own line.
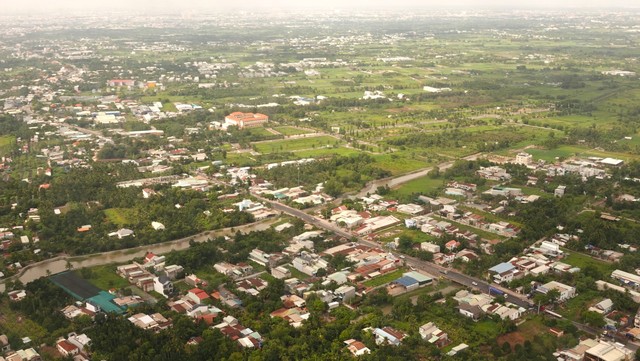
<point>524,158</point>
<point>566,292</point>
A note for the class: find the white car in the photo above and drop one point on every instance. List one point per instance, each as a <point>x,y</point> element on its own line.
<point>474,283</point>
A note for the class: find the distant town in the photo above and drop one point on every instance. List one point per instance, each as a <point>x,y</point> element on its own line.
<point>438,185</point>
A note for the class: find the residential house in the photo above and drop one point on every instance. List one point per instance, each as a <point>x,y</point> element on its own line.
<point>163,285</point>
<point>294,315</point>
<point>173,271</point>
<point>246,337</point>
<point>23,355</point>
<point>265,259</point>
<point>227,298</point>
<point>17,295</point>
<point>66,348</point>
<point>233,271</point>
<point>432,334</point>
<point>602,307</point>
<point>452,245</point>
<point>252,286</point>
<point>121,233</point>
<point>197,295</point>
<point>357,348</point>
<point>5,346</point>
<point>280,272</point>
<point>154,322</point>
<point>474,312</point>
<point>389,336</point>
<point>345,293</point>
<point>193,280</point>
<point>309,263</point>
<point>430,247</point>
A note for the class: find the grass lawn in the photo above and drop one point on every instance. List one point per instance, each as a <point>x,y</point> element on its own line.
<point>487,329</point>
<point>241,159</point>
<point>182,286</point>
<point>6,141</point>
<point>262,132</point>
<point>421,185</point>
<point>582,260</point>
<point>296,144</point>
<point>566,151</point>
<point>385,278</point>
<point>399,163</point>
<point>103,277</point>
<point>326,152</point>
<point>213,278</point>
<point>120,216</point>
<point>286,130</point>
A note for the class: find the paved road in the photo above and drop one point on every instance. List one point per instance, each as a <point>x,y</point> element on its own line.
<point>416,263</point>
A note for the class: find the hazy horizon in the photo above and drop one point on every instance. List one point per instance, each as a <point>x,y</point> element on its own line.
<point>160,6</point>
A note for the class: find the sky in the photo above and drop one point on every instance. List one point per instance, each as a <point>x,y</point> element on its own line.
<point>213,5</point>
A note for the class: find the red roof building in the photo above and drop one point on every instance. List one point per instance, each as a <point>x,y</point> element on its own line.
<point>246,120</point>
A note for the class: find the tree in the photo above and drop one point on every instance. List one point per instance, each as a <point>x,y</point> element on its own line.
<point>593,319</point>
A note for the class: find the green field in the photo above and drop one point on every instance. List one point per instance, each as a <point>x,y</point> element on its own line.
<point>326,152</point>
<point>103,277</point>
<point>297,144</point>
<point>400,163</point>
<point>581,260</point>
<point>6,143</point>
<point>286,130</point>
<point>120,216</point>
<point>567,151</point>
<point>423,185</point>
<point>385,278</point>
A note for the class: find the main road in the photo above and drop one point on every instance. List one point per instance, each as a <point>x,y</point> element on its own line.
<point>416,263</point>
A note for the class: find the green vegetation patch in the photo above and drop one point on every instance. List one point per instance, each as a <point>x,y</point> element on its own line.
<point>297,144</point>
<point>103,277</point>
<point>384,279</point>
<point>121,216</point>
<point>6,142</point>
<point>286,130</point>
<point>423,185</point>
<point>567,151</point>
<point>19,325</point>
<point>582,261</point>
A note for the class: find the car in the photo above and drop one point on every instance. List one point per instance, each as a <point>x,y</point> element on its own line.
<point>474,283</point>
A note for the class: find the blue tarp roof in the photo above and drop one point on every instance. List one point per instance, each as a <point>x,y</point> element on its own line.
<point>502,267</point>
<point>406,281</point>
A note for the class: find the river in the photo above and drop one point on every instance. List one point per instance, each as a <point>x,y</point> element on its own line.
<point>63,263</point>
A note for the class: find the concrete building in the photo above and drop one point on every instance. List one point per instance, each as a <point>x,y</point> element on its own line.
<point>524,158</point>
<point>566,292</point>
<point>245,120</point>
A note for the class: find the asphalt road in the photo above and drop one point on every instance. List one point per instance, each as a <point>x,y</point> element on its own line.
<point>416,263</point>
